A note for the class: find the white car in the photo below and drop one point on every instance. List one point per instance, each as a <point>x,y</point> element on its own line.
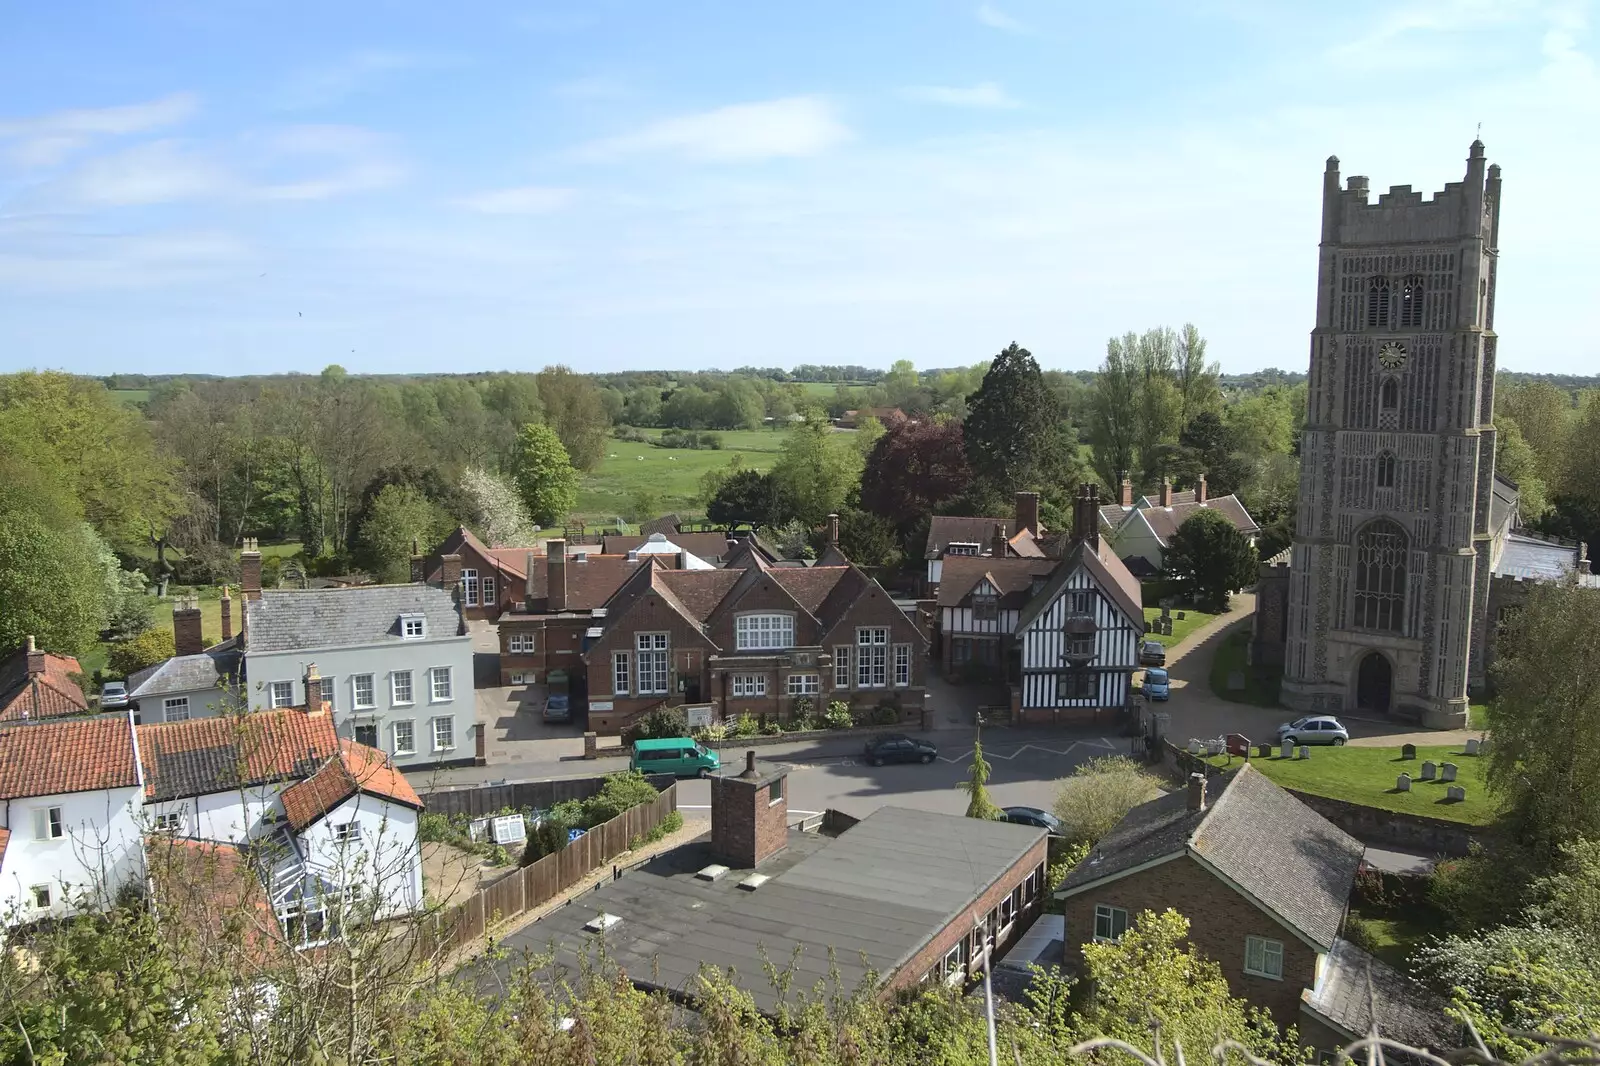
<point>1320,729</point>
<point>113,694</point>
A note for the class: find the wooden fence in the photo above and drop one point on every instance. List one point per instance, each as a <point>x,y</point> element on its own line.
<point>480,801</point>
<point>537,884</point>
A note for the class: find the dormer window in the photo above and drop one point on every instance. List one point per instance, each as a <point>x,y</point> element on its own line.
<point>413,627</point>
<point>985,607</point>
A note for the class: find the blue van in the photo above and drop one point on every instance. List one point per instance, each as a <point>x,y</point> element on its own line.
<point>1156,685</point>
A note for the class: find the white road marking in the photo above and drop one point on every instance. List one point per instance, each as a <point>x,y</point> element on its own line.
<point>1100,743</point>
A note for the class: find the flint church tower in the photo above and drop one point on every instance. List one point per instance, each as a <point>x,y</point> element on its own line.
<point>1389,582</point>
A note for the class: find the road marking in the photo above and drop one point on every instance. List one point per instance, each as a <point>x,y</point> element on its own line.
<point>1100,743</point>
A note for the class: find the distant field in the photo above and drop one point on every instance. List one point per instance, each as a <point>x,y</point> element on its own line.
<point>131,396</point>
<point>824,390</point>
<point>672,474</point>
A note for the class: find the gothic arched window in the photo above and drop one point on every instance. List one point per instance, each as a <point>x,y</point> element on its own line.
<point>1389,394</point>
<point>1411,303</point>
<point>1385,471</point>
<point>1378,304</point>
<point>1380,576</point>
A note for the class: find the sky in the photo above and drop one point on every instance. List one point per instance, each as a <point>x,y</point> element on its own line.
<point>251,187</point>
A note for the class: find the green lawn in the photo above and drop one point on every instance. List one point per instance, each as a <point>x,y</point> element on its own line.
<point>1260,684</point>
<point>131,396</point>
<point>824,390</point>
<point>1367,776</point>
<point>1398,931</point>
<point>1478,716</point>
<point>671,474</point>
<point>1181,627</point>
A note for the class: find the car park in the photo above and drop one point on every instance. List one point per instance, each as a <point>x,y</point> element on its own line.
<point>897,748</point>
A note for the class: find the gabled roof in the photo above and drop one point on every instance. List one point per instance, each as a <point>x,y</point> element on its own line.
<point>303,619</point>
<point>212,889</point>
<point>1113,515</point>
<point>1357,992</point>
<point>75,755</point>
<point>48,694</point>
<point>1108,572</point>
<point>945,529</point>
<point>1254,836</point>
<point>814,587</point>
<point>1164,521</point>
<point>711,547</point>
<point>217,665</point>
<point>1013,579</point>
<point>697,592</point>
<point>204,756</point>
<point>590,583</point>
<point>355,770</point>
<point>1141,568</point>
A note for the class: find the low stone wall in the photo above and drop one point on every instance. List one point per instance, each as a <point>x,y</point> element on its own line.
<point>764,739</point>
<point>1392,829</point>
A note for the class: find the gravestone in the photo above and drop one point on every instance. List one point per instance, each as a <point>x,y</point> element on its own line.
<point>1305,752</point>
<point>1235,680</point>
<point>1402,783</point>
<point>1149,626</point>
<point>1456,793</point>
<point>1195,747</point>
<point>1447,772</point>
<point>1215,747</point>
<point>1180,616</point>
<point>1408,751</point>
<point>1264,750</point>
<point>1429,770</point>
<point>1287,752</point>
<point>1166,612</point>
<point>1166,626</point>
<point>1472,746</point>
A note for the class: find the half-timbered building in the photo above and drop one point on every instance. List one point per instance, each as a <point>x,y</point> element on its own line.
<point>979,602</point>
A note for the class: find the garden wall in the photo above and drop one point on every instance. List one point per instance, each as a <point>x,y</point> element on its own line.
<point>478,801</point>
<point>1392,829</point>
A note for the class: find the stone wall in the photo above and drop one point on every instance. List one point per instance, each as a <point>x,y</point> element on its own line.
<point>1392,829</point>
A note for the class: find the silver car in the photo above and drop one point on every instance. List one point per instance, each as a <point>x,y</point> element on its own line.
<point>1320,729</point>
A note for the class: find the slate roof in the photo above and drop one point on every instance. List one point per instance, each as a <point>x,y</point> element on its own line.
<point>208,755</point>
<point>1291,860</point>
<point>305,619</point>
<point>1540,560</point>
<point>1357,990</point>
<point>1114,514</point>
<point>49,694</point>
<point>1014,578</point>
<point>1140,567</point>
<point>215,666</point>
<point>356,770</point>
<point>942,529</point>
<point>76,755</point>
<point>1164,521</point>
<point>1503,499</point>
<point>881,890</point>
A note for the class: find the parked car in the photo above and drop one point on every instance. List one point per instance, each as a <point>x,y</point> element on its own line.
<point>897,748</point>
<point>1321,729</point>
<point>1156,685</point>
<point>558,707</point>
<point>682,756</point>
<point>113,694</point>
<point>1152,653</point>
<point>1035,817</point>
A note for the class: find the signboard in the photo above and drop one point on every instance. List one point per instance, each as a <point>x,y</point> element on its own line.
<point>600,705</point>
<point>573,834</point>
<point>509,829</point>
<point>699,715</point>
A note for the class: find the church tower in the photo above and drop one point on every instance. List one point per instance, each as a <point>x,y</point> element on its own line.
<point>1389,582</point>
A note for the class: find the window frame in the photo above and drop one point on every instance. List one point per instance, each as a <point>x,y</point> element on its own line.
<point>357,727</point>
<point>1109,913</point>
<point>469,587</point>
<point>796,685</point>
<point>33,897</point>
<point>1384,470</point>
<point>172,703</point>
<point>1080,601</point>
<point>520,644</point>
<point>653,661</point>
<point>449,722</point>
<point>280,694</point>
<point>1380,300</point>
<point>759,630</point>
<point>356,701</point>
<point>1380,584</point>
<point>621,673</point>
<point>1268,949</point>
<point>329,691</point>
<point>985,607</point>
<point>902,666</point>
<point>344,832</point>
<point>169,822</point>
<point>49,823</point>
<point>394,736</point>
<point>410,621</point>
<point>490,596</point>
<point>1389,394</point>
<point>841,666</point>
<point>395,677</point>
<point>1081,645</point>
<point>749,686</point>
<point>872,668</point>
<point>434,673</point>
<point>1069,682</point>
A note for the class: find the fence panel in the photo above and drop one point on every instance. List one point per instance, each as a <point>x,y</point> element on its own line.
<point>482,800</point>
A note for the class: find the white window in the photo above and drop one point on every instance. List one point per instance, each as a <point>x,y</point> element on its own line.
<point>749,684</point>
<point>757,631</point>
<point>804,684</point>
<point>41,897</point>
<point>329,690</point>
<point>48,824</point>
<point>518,678</point>
<point>405,737</point>
<point>841,666</point>
<point>488,591</point>
<point>1109,923</point>
<point>652,664</point>
<point>412,627</point>
<point>902,665</point>
<point>872,660</point>
<point>469,584</point>
<point>168,823</point>
<point>520,644</point>
<point>361,688</point>
<point>444,734</point>
<point>1263,957</point>
<point>400,687</point>
<point>305,923</point>
<point>346,832</point>
<point>175,709</point>
<point>365,733</point>
<point>281,693</point>
<point>439,683</point>
<point>620,675</point>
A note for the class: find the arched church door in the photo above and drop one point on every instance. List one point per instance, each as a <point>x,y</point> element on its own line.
<point>1374,683</point>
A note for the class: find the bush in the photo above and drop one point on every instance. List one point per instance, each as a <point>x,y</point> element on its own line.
<point>659,724</point>
<point>772,727</point>
<point>1099,793</point>
<point>1359,932</point>
<point>148,648</point>
<point>1477,892</point>
<point>620,792</point>
<point>210,563</point>
<point>746,726</point>
<point>629,433</point>
<point>711,734</point>
<point>689,438</point>
<point>838,716</point>
<point>886,714</point>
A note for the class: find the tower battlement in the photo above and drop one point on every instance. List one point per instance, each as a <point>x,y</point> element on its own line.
<point>1462,209</point>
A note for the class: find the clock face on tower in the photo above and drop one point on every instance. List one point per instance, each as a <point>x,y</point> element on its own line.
<point>1392,355</point>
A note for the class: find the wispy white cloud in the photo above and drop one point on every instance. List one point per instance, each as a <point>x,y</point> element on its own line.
<point>983,94</point>
<point>794,126</point>
<point>158,172</point>
<point>48,140</point>
<point>319,86</point>
<point>994,18</point>
<point>595,87</point>
<point>524,200</point>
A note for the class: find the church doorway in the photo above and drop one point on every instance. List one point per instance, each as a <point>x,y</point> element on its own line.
<point>1374,682</point>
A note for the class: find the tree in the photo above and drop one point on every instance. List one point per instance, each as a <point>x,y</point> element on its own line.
<point>1198,390</point>
<point>1099,793</point>
<point>1514,460</point>
<point>914,469</point>
<point>1544,418</point>
<point>1114,411</point>
<point>744,496</point>
<point>1546,674</point>
<point>401,519</point>
<point>498,511</point>
<point>1210,559</point>
<point>544,475</point>
<point>148,648</point>
<point>574,408</point>
<point>815,472</point>
<point>52,584</point>
<point>1012,434</point>
<point>868,540</point>
<point>979,805</point>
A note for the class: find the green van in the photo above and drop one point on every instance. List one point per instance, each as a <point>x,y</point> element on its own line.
<point>674,755</point>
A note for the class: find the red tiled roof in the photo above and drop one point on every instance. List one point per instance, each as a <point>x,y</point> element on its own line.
<point>356,769</point>
<point>699,591</point>
<point>211,889</point>
<point>49,694</point>
<point>811,586</point>
<point>77,755</point>
<point>206,755</point>
<point>1012,577</point>
<point>589,583</point>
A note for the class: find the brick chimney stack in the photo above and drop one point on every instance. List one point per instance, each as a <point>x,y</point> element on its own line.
<point>250,570</point>
<point>1091,516</point>
<point>833,530</point>
<point>1200,489</point>
<point>1126,499</point>
<point>187,638</point>
<point>36,660</point>
<point>1027,507</point>
<point>449,572</point>
<point>556,574</point>
<point>1583,557</point>
<point>419,564</point>
<point>750,814</point>
<point>314,704</point>
<point>998,541</point>
<point>1166,492</point>
<point>227,613</point>
<point>1197,792</point>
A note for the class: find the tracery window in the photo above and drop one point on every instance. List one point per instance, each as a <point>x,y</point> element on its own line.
<point>1411,303</point>
<point>1380,576</point>
<point>1385,470</point>
<point>1378,304</point>
<point>1389,394</point>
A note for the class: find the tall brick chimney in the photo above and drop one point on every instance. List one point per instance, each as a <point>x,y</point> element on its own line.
<point>1166,492</point>
<point>1126,499</point>
<point>998,541</point>
<point>750,814</point>
<point>1583,557</point>
<point>314,704</point>
<point>1027,505</point>
<point>449,572</point>
<point>833,530</point>
<point>556,574</point>
<point>1089,531</point>
<point>187,638</point>
<point>1200,489</point>
<point>250,569</point>
<point>227,613</point>
<point>36,660</point>
<point>1197,792</point>
<point>527,581</point>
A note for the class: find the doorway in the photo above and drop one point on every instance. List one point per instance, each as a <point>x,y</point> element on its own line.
<point>1374,683</point>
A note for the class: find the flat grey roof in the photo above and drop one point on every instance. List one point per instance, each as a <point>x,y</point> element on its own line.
<point>863,902</point>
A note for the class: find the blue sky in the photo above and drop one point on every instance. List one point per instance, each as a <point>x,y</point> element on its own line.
<point>251,187</point>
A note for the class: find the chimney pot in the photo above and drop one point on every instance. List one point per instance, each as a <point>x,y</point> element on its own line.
<point>1126,499</point>
<point>250,570</point>
<point>998,542</point>
<point>36,658</point>
<point>1200,489</point>
<point>1197,792</point>
<point>750,763</point>
<point>227,613</point>
<point>833,530</point>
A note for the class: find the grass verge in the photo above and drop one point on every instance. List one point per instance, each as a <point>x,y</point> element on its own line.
<point>1181,627</point>
<point>1260,683</point>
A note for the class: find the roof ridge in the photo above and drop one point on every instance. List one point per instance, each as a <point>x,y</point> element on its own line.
<point>1212,808</point>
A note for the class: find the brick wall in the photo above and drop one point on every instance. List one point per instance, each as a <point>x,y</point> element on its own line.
<point>746,824</point>
<point>557,645</point>
<point>1219,921</point>
<point>929,955</point>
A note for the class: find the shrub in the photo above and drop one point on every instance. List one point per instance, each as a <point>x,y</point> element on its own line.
<point>621,791</point>
<point>772,727</point>
<point>838,716</point>
<point>148,648</point>
<point>1099,793</point>
<point>689,438</point>
<point>1478,891</point>
<point>746,726</point>
<point>885,714</point>
<point>661,723</point>
<point>711,733</point>
<point>1359,932</point>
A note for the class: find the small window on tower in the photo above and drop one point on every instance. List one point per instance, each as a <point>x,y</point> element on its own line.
<point>1378,304</point>
<point>1411,304</point>
<point>1389,394</point>
<point>1385,472</point>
